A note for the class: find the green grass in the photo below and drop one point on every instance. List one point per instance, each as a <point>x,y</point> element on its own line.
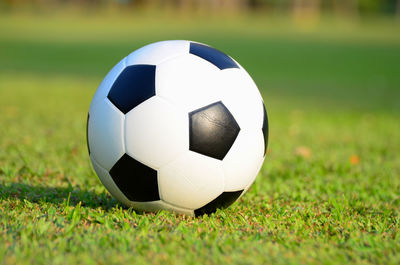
<point>332,93</point>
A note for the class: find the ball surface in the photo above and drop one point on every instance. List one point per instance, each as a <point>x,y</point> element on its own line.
<point>177,125</point>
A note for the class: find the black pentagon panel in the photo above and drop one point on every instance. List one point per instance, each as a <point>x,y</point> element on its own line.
<point>134,85</point>
<point>212,130</point>
<point>221,202</point>
<point>265,130</point>
<point>136,181</point>
<point>214,56</point>
<point>87,132</point>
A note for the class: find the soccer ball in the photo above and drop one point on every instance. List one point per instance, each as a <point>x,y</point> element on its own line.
<point>177,125</point>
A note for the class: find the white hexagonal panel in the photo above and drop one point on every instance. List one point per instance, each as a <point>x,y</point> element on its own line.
<point>106,84</point>
<point>155,206</point>
<point>188,81</point>
<point>242,97</point>
<point>156,132</point>
<point>105,133</point>
<point>191,181</point>
<point>108,182</point>
<point>158,52</point>
<point>242,162</point>
<point>260,165</point>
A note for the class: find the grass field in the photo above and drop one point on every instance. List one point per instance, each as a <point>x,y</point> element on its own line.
<point>329,191</point>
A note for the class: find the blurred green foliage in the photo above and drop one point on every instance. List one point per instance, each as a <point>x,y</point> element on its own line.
<point>347,7</point>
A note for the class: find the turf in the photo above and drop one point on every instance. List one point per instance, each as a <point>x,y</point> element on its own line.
<point>327,193</point>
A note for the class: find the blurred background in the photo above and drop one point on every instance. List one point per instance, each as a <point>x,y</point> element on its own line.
<point>349,7</point>
<point>344,52</point>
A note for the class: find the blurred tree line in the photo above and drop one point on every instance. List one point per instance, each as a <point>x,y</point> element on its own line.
<point>341,7</point>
